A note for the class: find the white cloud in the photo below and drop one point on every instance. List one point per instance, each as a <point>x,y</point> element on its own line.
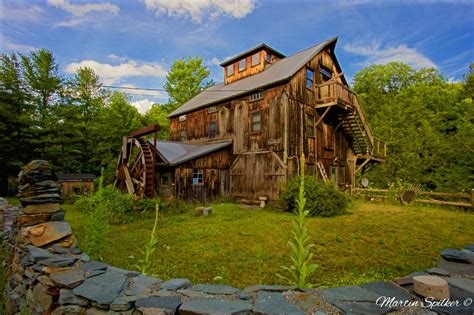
<point>116,58</point>
<point>198,9</point>
<point>111,74</point>
<point>11,46</point>
<point>28,13</point>
<point>143,105</point>
<point>375,54</point>
<point>84,8</point>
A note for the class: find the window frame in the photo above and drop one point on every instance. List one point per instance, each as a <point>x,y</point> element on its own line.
<point>243,62</point>
<point>254,122</point>
<point>310,118</point>
<point>230,73</point>
<point>324,71</point>
<point>198,177</point>
<point>258,59</point>
<point>256,96</point>
<point>309,79</point>
<point>214,135</point>
<point>163,176</point>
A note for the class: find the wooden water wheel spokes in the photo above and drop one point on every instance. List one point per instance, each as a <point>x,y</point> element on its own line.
<point>136,166</point>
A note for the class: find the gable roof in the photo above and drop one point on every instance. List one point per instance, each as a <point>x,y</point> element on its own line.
<point>175,153</point>
<point>280,71</point>
<point>251,50</point>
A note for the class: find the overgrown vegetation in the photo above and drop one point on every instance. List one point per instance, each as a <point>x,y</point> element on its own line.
<point>300,254</point>
<point>322,199</point>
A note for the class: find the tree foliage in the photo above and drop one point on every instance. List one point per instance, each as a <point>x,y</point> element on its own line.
<point>426,121</point>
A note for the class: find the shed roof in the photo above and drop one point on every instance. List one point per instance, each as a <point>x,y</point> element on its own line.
<point>75,177</point>
<point>251,50</point>
<point>175,153</point>
<point>280,71</point>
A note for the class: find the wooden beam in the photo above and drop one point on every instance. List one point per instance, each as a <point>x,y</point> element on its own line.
<point>361,166</point>
<point>128,181</point>
<point>322,117</point>
<point>447,203</point>
<point>144,131</point>
<point>441,194</point>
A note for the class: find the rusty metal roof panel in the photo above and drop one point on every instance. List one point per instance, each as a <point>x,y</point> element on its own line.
<point>281,71</point>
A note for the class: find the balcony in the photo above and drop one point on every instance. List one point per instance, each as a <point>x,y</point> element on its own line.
<point>334,93</point>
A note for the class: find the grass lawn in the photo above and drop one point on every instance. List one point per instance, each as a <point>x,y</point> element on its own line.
<point>247,246</point>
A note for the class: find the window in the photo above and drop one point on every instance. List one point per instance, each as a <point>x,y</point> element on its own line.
<point>310,126</point>
<point>255,59</point>
<point>309,78</point>
<point>230,70</point>
<point>197,176</point>
<point>182,118</point>
<point>182,134</point>
<point>212,129</point>
<point>212,109</point>
<point>256,96</point>
<point>334,173</point>
<point>242,64</point>
<point>165,179</point>
<point>256,121</point>
<point>326,74</point>
<point>268,57</point>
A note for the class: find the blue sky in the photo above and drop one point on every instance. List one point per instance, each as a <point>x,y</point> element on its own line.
<point>133,43</point>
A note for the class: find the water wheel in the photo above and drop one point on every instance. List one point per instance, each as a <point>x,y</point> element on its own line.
<point>136,165</point>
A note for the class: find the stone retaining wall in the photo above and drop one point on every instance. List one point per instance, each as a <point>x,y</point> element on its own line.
<point>48,274</point>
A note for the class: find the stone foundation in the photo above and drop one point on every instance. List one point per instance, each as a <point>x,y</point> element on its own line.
<point>48,274</point>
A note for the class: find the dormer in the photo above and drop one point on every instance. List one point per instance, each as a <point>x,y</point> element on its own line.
<point>250,62</point>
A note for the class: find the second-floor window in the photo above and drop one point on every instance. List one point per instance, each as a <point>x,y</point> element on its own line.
<point>256,96</point>
<point>230,70</point>
<point>255,59</point>
<point>309,78</point>
<point>326,73</point>
<point>310,126</point>
<point>242,64</point>
<point>256,121</point>
<point>182,134</point>
<point>212,129</point>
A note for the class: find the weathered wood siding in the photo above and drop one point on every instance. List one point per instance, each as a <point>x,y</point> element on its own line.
<point>76,187</point>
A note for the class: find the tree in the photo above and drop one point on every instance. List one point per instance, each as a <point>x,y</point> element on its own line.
<point>158,114</point>
<point>425,121</point>
<point>186,79</point>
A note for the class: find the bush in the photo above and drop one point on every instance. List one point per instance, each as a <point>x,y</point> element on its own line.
<point>322,199</point>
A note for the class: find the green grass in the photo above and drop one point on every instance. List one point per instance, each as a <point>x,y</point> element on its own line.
<point>373,242</point>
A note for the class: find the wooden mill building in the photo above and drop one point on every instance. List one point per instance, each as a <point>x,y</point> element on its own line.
<point>242,137</point>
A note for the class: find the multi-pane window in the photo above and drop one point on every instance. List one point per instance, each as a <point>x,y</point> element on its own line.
<point>212,129</point>
<point>242,64</point>
<point>182,134</point>
<point>182,118</point>
<point>256,121</point>
<point>197,176</point>
<point>255,59</point>
<point>309,78</point>
<point>230,70</point>
<point>256,96</point>
<point>310,126</point>
<point>212,109</point>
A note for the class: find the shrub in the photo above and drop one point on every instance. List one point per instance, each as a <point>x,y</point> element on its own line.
<point>322,199</point>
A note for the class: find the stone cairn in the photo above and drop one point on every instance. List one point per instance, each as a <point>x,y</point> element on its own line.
<point>48,274</point>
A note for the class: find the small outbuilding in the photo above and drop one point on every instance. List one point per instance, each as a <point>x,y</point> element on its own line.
<point>77,184</point>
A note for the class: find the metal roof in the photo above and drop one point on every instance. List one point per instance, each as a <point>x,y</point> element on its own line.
<point>175,153</point>
<point>280,71</point>
<point>251,50</point>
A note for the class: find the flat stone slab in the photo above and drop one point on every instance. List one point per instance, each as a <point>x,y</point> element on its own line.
<point>388,289</point>
<point>94,265</point>
<point>221,307</point>
<point>38,253</point>
<point>62,261</point>
<point>175,284</point>
<point>469,247</point>
<point>463,284</point>
<point>66,296</point>
<point>69,279</point>
<point>158,304</point>
<point>268,288</point>
<point>45,233</point>
<point>349,293</point>
<point>274,303</point>
<point>457,256</point>
<point>431,286</point>
<point>42,208</point>
<point>437,271</point>
<point>142,283</point>
<point>362,308</point>
<point>104,288</point>
<point>194,294</point>
<point>215,289</point>
<point>456,268</point>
